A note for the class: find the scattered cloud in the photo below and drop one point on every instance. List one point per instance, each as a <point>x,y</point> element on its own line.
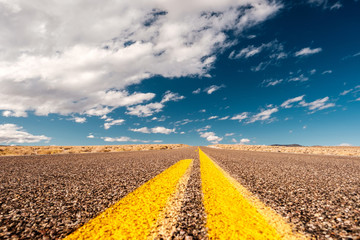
<point>142,130</point>
<point>112,122</point>
<point>79,119</point>
<point>318,104</point>
<point>244,141</point>
<point>345,145</point>
<point>204,128</point>
<point>224,118</point>
<point>202,110</point>
<point>300,78</point>
<point>336,6</point>
<point>274,49</point>
<point>263,115</point>
<point>240,116</point>
<point>197,91</point>
<point>288,103</point>
<point>271,82</point>
<point>12,133</point>
<point>183,122</point>
<point>170,96</point>
<point>313,71</point>
<point>152,108</point>
<point>326,72</point>
<point>229,134</point>
<point>9,113</point>
<point>90,135</point>
<point>120,139</point>
<point>213,117</point>
<point>345,92</point>
<point>158,141</point>
<point>307,51</point>
<point>161,130</point>
<point>121,45</point>
<point>211,137</point>
<point>213,88</point>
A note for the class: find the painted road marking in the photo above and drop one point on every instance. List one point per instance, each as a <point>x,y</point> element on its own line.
<point>135,216</point>
<point>233,212</point>
<point>167,220</point>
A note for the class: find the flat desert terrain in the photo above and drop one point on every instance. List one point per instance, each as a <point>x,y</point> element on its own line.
<point>48,150</point>
<point>323,150</point>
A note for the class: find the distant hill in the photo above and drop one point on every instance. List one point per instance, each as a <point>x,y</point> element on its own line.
<point>287,145</point>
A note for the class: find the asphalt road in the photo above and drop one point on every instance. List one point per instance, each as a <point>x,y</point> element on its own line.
<point>319,194</point>
<point>49,197</point>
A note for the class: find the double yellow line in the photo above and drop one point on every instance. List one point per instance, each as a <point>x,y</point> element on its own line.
<point>150,212</point>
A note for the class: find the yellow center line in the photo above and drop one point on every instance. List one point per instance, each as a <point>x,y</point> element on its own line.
<point>233,212</point>
<point>135,215</point>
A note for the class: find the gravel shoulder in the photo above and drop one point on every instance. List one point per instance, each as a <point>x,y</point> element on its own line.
<point>319,195</point>
<point>50,196</point>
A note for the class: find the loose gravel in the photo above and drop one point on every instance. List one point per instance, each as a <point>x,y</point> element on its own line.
<point>319,195</point>
<point>49,197</point>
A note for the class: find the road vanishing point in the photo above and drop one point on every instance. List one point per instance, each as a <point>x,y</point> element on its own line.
<point>189,193</point>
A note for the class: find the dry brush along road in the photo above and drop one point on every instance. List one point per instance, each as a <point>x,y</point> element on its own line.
<point>175,194</point>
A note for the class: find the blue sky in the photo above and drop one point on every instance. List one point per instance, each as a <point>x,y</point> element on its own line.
<point>199,73</point>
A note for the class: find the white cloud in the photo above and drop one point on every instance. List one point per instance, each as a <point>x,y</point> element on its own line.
<point>318,104</point>
<point>327,72</point>
<point>240,116</point>
<point>110,123</point>
<point>233,140</point>
<point>313,71</point>
<point>9,113</point>
<point>345,92</point>
<point>145,110</point>
<point>307,51</point>
<point>197,91</point>
<point>213,117</point>
<point>170,96</point>
<point>244,141</point>
<point>120,139</point>
<point>158,141</point>
<point>90,135</point>
<point>204,128</point>
<point>50,66</point>
<point>182,132</point>
<point>213,88</point>
<point>79,119</point>
<point>142,130</point>
<point>288,103</point>
<point>183,122</point>
<point>202,110</point>
<point>263,115</point>
<point>300,78</point>
<point>271,82</point>
<point>345,145</point>
<point>162,130</point>
<point>11,133</point>
<point>152,108</point>
<point>211,137</point>
<point>224,118</point>
<point>274,48</point>
<point>229,134</point>
<point>336,6</point>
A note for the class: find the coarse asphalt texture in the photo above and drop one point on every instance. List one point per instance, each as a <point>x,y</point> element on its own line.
<point>48,197</point>
<point>51,196</point>
<point>318,194</point>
